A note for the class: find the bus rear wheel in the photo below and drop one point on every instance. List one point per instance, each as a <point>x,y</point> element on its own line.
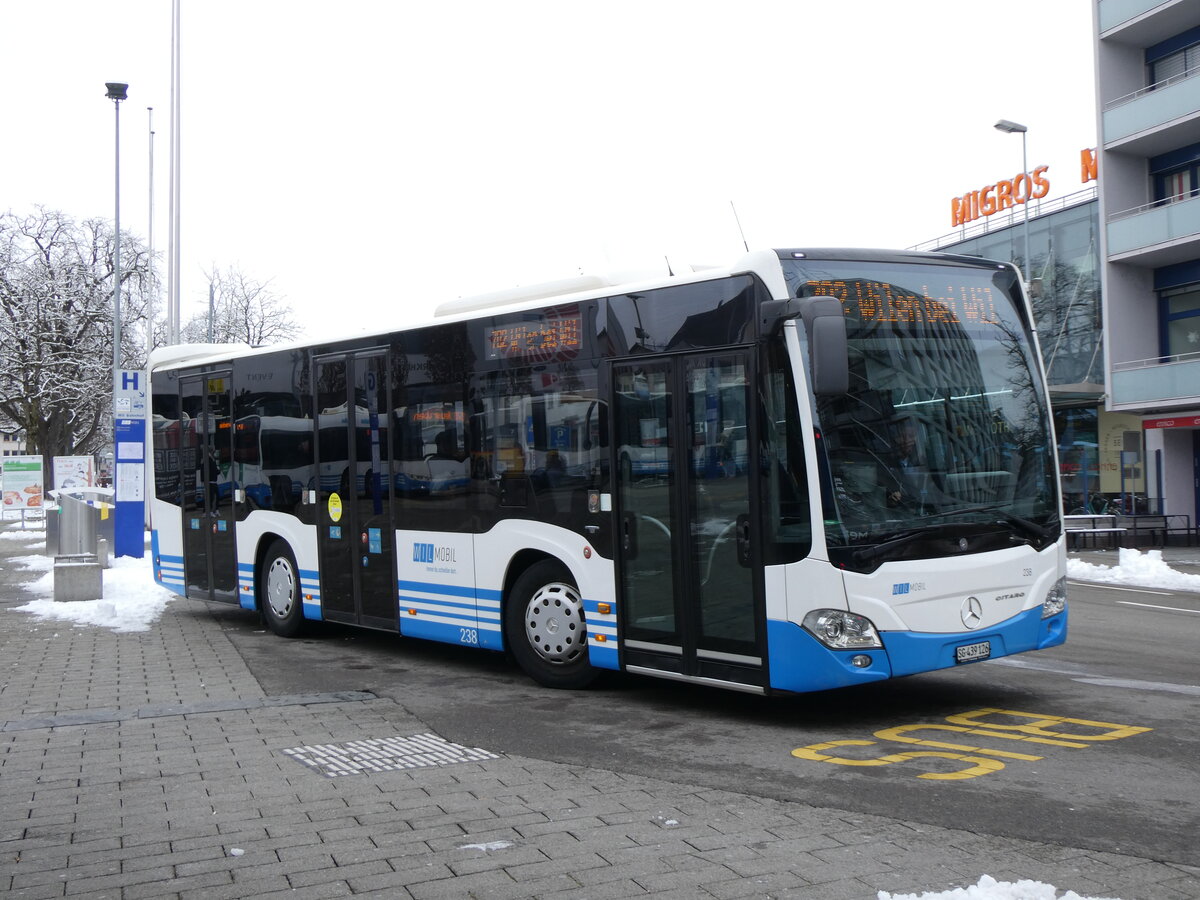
<point>545,628</point>
<point>279,596</point>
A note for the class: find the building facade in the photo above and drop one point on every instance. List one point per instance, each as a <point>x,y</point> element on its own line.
<point>1064,250</point>
<point>1147,54</point>
<point>12,440</point>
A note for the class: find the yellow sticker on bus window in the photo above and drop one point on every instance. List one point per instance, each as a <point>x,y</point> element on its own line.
<point>335,508</point>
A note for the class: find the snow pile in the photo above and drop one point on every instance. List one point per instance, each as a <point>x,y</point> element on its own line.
<point>23,534</point>
<point>132,601</point>
<point>1136,568</point>
<point>989,888</point>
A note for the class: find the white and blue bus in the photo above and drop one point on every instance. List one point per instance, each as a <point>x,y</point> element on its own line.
<point>845,473</point>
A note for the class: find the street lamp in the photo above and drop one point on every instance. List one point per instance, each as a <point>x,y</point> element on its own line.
<point>1014,128</point>
<point>117,93</point>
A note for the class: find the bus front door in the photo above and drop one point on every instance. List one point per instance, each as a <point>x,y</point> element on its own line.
<point>691,599</point>
<point>206,458</point>
<point>356,538</point>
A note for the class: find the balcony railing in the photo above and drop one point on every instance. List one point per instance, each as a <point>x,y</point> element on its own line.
<point>1149,114</point>
<point>1149,89</point>
<point>1163,222</point>
<point>1156,379</point>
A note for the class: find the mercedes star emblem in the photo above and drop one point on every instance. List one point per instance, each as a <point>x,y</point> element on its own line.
<point>971,612</point>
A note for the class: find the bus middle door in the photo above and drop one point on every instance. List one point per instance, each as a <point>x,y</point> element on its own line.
<point>355,536</point>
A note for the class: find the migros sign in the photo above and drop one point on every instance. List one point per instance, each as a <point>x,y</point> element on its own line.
<point>999,196</point>
<point>1020,189</point>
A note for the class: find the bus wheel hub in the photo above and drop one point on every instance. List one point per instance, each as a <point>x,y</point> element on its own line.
<point>554,623</point>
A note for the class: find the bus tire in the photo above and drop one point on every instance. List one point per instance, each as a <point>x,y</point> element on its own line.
<point>544,627</point>
<point>280,599</point>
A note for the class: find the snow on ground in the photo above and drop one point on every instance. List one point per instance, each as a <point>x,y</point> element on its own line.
<point>132,600</point>
<point>1135,568</point>
<point>988,888</point>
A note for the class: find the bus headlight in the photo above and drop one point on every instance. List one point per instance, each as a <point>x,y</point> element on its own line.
<point>841,630</point>
<point>1056,599</point>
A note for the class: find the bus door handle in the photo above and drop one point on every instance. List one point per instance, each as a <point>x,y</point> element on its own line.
<point>629,535</point>
<point>743,540</point>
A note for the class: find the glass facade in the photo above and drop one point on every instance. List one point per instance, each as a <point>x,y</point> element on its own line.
<point>1065,254</point>
<point>1065,257</point>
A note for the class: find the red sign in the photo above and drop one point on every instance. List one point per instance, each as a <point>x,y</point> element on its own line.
<point>1177,422</point>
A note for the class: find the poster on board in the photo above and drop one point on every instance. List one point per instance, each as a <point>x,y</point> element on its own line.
<point>74,472</point>
<point>22,484</point>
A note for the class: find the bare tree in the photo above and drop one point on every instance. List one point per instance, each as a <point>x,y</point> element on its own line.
<point>245,311</point>
<point>56,326</point>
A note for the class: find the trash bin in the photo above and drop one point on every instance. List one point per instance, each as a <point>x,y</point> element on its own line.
<point>82,520</point>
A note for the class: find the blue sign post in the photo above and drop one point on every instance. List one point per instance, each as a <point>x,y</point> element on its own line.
<point>129,463</point>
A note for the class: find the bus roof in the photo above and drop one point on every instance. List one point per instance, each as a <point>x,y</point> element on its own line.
<point>762,263</point>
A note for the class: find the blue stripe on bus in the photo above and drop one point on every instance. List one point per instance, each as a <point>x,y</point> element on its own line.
<point>452,590</point>
<point>602,634</point>
<point>409,599</point>
<point>168,570</point>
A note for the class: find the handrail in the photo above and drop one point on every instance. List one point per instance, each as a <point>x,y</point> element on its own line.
<point>1153,361</point>
<point>1150,88</point>
<point>1153,204</point>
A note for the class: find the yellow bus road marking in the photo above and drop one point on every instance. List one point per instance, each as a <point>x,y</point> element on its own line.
<point>989,722</point>
<point>1109,731</point>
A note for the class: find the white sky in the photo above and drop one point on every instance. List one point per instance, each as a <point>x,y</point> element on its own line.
<point>373,158</point>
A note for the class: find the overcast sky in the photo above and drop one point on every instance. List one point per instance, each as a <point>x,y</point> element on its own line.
<point>373,158</point>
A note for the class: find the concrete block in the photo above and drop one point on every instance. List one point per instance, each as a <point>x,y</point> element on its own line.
<point>77,577</point>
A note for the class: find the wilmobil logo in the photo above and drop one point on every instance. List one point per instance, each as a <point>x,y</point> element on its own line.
<point>429,553</point>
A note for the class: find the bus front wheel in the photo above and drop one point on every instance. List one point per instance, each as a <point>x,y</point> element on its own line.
<point>545,627</point>
<point>280,600</point>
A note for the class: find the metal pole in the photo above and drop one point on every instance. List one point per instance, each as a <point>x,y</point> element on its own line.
<point>1028,199</point>
<point>117,251</point>
<point>173,304</point>
<point>150,241</point>
<point>210,312</point>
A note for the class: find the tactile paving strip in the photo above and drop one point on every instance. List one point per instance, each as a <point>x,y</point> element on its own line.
<point>385,755</point>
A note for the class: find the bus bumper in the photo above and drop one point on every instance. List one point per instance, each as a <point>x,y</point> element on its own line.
<point>799,662</point>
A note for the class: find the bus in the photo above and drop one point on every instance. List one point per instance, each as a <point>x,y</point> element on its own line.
<point>810,469</point>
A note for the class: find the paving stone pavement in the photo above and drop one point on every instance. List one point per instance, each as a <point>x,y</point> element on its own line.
<point>152,764</point>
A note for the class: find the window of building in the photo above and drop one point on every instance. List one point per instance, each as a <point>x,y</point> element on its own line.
<point>1177,184</point>
<point>1175,66</point>
<point>1180,318</point>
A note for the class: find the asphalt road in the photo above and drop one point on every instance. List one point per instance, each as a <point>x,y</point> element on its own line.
<point>1094,744</point>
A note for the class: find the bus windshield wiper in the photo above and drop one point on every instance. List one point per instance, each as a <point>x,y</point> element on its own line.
<point>1030,528</point>
<point>903,539</point>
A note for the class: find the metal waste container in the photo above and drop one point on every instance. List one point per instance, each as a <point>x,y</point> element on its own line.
<point>81,523</point>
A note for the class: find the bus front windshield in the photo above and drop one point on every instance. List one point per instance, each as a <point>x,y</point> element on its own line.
<point>942,443</point>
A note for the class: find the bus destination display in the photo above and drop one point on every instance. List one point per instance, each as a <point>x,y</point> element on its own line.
<point>881,301</point>
<point>543,338</point>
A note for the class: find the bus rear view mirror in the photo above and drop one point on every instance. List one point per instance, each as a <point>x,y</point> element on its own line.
<point>827,348</point>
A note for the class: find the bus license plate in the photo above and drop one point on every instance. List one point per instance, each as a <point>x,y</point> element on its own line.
<point>973,652</point>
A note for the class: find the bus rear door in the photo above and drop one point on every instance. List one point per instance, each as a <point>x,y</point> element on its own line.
<point>207,487</point>
<point>691,599</point>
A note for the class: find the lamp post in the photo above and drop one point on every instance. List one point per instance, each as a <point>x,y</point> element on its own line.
<point>117,93</point>
<point>129,426</point>
<point>1014,128</point>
